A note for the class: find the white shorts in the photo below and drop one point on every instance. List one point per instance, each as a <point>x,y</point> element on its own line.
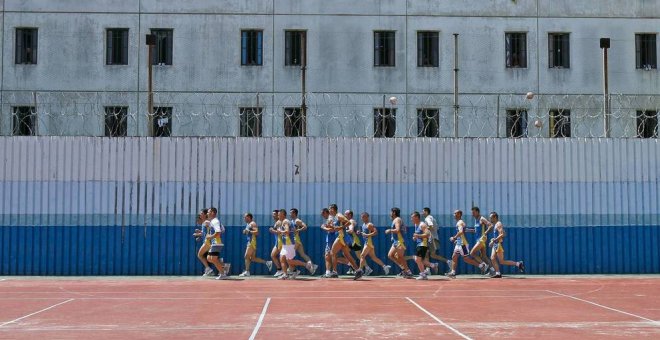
<point>462,250</point>
<point>289,251</point>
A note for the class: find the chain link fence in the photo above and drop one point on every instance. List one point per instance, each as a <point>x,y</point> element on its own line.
<point>117,114</point>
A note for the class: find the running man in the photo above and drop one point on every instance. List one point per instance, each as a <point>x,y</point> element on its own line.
<point>215,237</point>
<point>434,241</point>
<point>330,236</point>
<point>461,245</point>
<point>298,225</point>
<point>421,237</point>
<point>251,232</point>
<point>398,248</point>
<point>275,253</point>
<point>497,254</point>
<point>205,224</point>
<point>340,223</point>
<point>288,252</point>
<point>482,227</point>
<point>368,231</point>
<point>353,240</point>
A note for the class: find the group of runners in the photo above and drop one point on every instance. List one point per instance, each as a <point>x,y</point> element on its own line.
<point>350,244</point>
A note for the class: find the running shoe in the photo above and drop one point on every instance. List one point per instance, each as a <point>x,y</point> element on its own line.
<point>386,269</point>
<point>278,273</point>
<point>283,277</point>
<point>222,277</point>
<point>451,274</point>
<point>269,265</point>
<point>496,276</point>
<point>521,267</point>
<point>314,268</point>
<point>208,272</point>
<point>334,275</point>
<point>422,277</point>
<point>245,274</point>
<point>227,268</point>
<point>368,271</point>
<point>358,274</point>
<point>350,271</point>
<point>295,274</point>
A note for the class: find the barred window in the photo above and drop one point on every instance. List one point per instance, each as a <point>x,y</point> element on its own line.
<point>116,46</point>
<point>162,121</point>
<point>427,49</point>
<point>294,122</point>
<point>384,123</point>
<point>646,56</point>
<point>428,122</point>
<point>560,123</point>
<point>251,48</point>
<point>26,45</point>
<point>116,124</point>
<point>164,46</point>
<point>293,47</point>
<point>384,52</point>
<point>24,121</point>
<point>250,118</point>
<point>647,124</point>
<point>516,50</point>
<point>516,123</point>
<point>559,50</point>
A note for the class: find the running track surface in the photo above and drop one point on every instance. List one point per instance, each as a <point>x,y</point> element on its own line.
<point>309,308</point>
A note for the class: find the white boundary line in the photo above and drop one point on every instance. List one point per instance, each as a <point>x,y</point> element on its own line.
<point>261,319</point>
<point>605,307</point>
<point>37,312</point>
<point>3,280</point>
<point>438,320</point>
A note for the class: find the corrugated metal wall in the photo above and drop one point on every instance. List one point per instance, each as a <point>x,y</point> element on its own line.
<point>106,201</point>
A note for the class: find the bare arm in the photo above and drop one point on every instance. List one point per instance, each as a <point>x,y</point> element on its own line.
<point>302,225</point>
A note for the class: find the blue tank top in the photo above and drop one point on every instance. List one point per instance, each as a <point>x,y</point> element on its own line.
<point>331,236</point>
<point>400,237</point>
<point>477,229</point>
<point>420,241</point>
<point>365,230</point>
<point>292,228</point>
<point>248,236</point>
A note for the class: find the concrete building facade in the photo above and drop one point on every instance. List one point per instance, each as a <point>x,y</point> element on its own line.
<point>206,85</point>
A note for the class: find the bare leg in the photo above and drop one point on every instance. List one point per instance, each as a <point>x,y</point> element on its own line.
<point>274,254</point>
<point>493,260</point>
<point>216,262</point>
<point>349,257</point>
<point>201,254</point>
<point>300,249</point>
<point>375,258</point>
<point>249,251</point>
<point>500,257</point>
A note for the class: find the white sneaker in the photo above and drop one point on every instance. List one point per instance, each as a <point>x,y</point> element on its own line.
<point>222,277</point>
<point>278,273</point>
<point>244,274</point>
<point>368,271</point>
<point>227,268</point>
<point>350,271</point>
<point>314,268</point>
<point>269,265</point>
<point>422,277</point>
<point>283,277</point>
<point>427,271</point>
<point>208,272</point>
<point>386,269</point>
<point>450,263</point>
<point>295,274</point>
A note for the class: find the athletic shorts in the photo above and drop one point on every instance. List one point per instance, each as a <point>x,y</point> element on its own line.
<point>462,250</point>
<point>421,251</point>
<point>482,240</point>
<point>213,253</point>
<point>398,245</point>
<point>355,247</point>
<point>498,248</point>
<point>216,249</point>
<point>289,251</point>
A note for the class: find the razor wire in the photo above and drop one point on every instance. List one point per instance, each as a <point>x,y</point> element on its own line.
<point>117,114</point>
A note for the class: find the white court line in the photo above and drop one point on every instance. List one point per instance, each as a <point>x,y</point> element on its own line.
<point>3,280</point>
<point>37,312</point>
<point>608,308</point>
<point>439,321</point>
<point>275,297</point>
<point>261,319</point>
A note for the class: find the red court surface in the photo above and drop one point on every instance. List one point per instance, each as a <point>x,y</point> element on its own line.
<point>262,308</point>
